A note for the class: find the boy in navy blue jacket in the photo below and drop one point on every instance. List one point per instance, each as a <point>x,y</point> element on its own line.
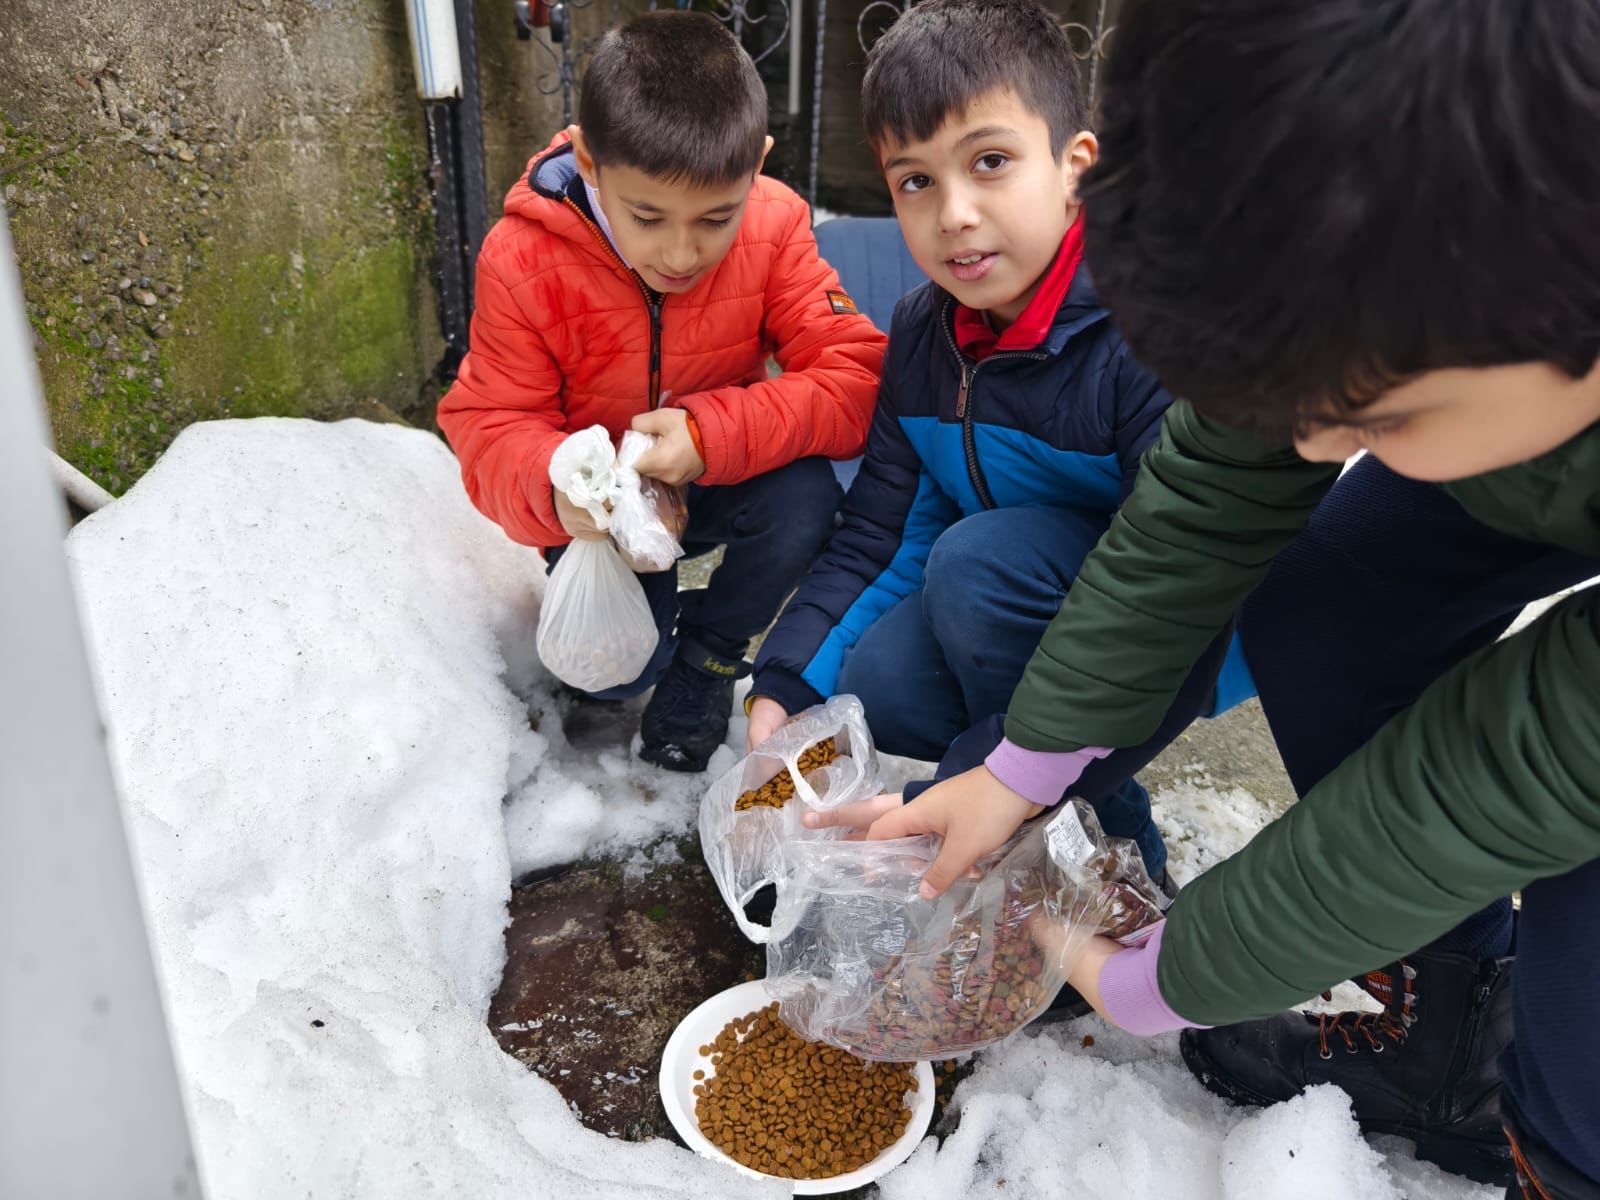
<point>1010,420</point>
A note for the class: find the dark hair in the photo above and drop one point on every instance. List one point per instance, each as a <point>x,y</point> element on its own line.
<point>1298,205</point>
<point>674,95</point>
<point>944,54</point>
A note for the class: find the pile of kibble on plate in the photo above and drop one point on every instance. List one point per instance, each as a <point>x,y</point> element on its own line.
<point>797,1109</point>
<point>779,790</point>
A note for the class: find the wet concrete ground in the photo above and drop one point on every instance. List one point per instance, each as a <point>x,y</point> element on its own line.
<point>600,969</point>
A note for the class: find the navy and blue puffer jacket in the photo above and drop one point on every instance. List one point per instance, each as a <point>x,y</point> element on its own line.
<point>1062,425</point>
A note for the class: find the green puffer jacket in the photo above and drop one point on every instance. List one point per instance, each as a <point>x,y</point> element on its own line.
<point>1489,782</point>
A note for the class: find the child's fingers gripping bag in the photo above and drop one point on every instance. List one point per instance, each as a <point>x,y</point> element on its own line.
<point>750,817</point>
<point>595,626</point>
<point>867,965</point>
<point>584,468</point>
<point>648,517</point>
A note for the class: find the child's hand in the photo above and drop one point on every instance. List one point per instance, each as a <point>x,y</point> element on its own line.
<point>859,816</point>
<point>673,459</point>
<point>766,717</point>
<point>1085,973</point>
<point>973,812</point>
<point>1088,957</point>
<point>576,521</point>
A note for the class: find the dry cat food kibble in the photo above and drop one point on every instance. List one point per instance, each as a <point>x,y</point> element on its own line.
<point>778,790</point>
<point>978,990</point>
<point>797,1109</point>
<point>992,977</point>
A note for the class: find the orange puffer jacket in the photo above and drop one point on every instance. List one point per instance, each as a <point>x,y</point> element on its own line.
<point>564,336</point>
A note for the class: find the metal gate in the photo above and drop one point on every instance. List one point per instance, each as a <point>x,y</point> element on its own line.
<point>764,27</point>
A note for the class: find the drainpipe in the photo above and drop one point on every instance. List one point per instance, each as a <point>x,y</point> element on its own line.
<point>82,493</point>
<point>444,58</point>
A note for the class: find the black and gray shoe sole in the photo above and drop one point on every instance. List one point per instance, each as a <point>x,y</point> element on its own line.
<point>673,758</point>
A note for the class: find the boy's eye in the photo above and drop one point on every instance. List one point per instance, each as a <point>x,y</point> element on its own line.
<point>715,222</point>
<point>992,161</point>
<point>645,222</point>
<point>915,183</point>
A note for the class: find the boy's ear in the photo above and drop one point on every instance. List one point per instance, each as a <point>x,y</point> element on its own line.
<point>1078,156</point>
<point>765,151</point>
<point>580,151</point>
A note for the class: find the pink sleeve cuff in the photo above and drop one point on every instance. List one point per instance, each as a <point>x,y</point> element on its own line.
<point>1040,776</point>
<point>1131,995</point>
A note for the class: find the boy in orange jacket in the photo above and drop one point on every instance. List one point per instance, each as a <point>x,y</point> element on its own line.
<point>641,277</point>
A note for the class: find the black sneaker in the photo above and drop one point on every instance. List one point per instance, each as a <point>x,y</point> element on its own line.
<point>687,717</point>
<point>591,724</point>
<point>1424,1068</point>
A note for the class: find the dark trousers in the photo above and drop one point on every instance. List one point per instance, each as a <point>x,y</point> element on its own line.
<point>772,527</point>
<point>1390,585</point>
<point>935,673</point>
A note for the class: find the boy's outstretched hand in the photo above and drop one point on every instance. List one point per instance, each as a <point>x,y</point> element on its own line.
<point>974,813</point>
<point>766,718</point>
<point>673,459</point>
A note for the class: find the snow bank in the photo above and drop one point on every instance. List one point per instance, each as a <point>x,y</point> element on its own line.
<point>317,667</point>
<point>298,632</point>
<point>1044,1116</point>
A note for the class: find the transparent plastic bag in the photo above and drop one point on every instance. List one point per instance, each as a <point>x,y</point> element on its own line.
<point>647,516</point>
<point>746,841</point>
<point>595,626</point>
<point>867,965</point>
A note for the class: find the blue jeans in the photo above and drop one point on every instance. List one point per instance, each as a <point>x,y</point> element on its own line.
<point>771,527</point>
<point>935,673</point>
<point>1391,584</point>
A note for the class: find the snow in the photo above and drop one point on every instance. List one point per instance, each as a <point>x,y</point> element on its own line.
<point>1044,1115</point>
<point>337,749</point>
<point>300,635</point>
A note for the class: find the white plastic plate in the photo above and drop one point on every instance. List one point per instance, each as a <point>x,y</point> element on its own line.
<point>682,1059</point>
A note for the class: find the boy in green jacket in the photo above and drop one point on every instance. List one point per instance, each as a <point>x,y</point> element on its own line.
<point>1334,227</point>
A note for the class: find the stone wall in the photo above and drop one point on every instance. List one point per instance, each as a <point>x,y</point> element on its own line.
<point>221,209</point>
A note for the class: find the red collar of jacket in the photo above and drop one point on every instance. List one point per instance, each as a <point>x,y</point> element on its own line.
<point>973,333</point>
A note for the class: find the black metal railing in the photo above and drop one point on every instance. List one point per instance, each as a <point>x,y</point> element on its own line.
<point>763,27</point>
<point>566,50</point>
<point>1088,31</point>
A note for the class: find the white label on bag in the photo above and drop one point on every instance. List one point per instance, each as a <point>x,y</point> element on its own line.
<point>1068,842</point>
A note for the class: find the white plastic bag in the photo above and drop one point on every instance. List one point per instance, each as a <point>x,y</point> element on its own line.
<point>585,468</point>
<point>595,626</point>
<point>749,849</point>
<point>647,516</point>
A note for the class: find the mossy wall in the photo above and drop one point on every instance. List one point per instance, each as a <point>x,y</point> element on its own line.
<point>222,209</point>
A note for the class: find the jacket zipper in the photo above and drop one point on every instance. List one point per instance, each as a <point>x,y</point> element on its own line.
<point>655,303</point>
<point>652,300</point>
<point>965,408</point>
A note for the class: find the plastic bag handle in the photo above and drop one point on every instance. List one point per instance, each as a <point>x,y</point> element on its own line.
<point>762,934</point>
